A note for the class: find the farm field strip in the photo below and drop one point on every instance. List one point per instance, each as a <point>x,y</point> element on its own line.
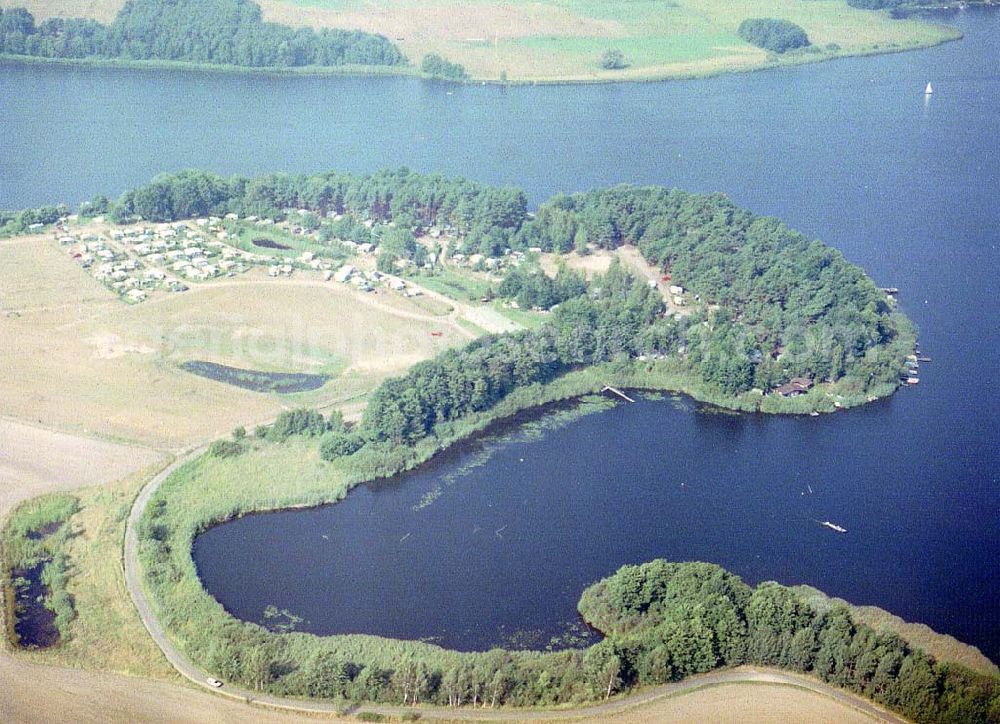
<point>564,39</point>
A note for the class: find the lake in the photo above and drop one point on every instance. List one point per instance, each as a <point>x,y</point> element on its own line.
<point>850,151</point>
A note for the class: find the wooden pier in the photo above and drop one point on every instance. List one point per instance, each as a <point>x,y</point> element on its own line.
<point>609,388</point>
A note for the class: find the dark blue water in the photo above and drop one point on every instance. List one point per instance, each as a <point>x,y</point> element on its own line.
<point>849,151</point>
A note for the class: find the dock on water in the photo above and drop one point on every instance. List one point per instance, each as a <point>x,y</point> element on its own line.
<point>609,388</point>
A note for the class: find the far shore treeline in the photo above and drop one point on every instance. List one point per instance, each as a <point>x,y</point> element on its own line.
<point>211,32</point>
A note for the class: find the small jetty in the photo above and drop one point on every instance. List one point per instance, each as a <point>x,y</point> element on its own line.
<point>833,526</point>
<point>910,375</point>
<point>609,388</point>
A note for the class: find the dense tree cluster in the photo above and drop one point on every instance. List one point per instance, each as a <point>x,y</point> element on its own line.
<point>778,306</point>
<point>773,34</point>
<point>19,222</point>
<point>585,330</point>
<point>216,32</point>
<point>399,243</point>
<point>303,421</point>
<point>784,306</point>
<point>613,59</point>
<point>424,200</point>
<point>533,289</point>
<point>433,64</point>
<point>667,620</point>
<point>226,448</point>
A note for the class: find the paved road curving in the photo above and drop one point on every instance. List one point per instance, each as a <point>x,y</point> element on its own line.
<point>744,674</point>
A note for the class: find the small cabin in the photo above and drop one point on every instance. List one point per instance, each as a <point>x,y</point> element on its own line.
<point>795,387</point>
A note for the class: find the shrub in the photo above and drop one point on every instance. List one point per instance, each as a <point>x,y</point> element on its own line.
<point>226,449</point>
<point>339,444</point>
<point>433,64</point>
<point>297,422</point>
<point>613,59</point>
<point>773,34</point>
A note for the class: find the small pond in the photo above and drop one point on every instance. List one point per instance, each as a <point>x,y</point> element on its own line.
<point>257,380</point>
<point>34,623</point>
<point>266,243</point>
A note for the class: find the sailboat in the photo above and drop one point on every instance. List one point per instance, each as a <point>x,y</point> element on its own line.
<point>929,89</point>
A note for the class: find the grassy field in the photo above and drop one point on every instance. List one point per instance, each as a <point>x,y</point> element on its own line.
<point>562,40</point>
<point>79,359</point>
<point>457,284</point>
<point>103,10</point>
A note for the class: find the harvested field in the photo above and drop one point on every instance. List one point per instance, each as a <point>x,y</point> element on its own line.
<point>34,461</point>
<point>739,703</point>
<point>86,696</point>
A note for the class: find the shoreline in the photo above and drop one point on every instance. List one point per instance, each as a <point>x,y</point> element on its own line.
<point>653,75</point>
<point>539,401</point>
<point>191,659</point>
<point>337,482</point>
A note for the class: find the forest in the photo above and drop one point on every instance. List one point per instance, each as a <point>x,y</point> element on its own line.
<point>212,32</point>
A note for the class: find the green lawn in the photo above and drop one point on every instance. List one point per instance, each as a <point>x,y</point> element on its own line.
<point>453,284</point>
